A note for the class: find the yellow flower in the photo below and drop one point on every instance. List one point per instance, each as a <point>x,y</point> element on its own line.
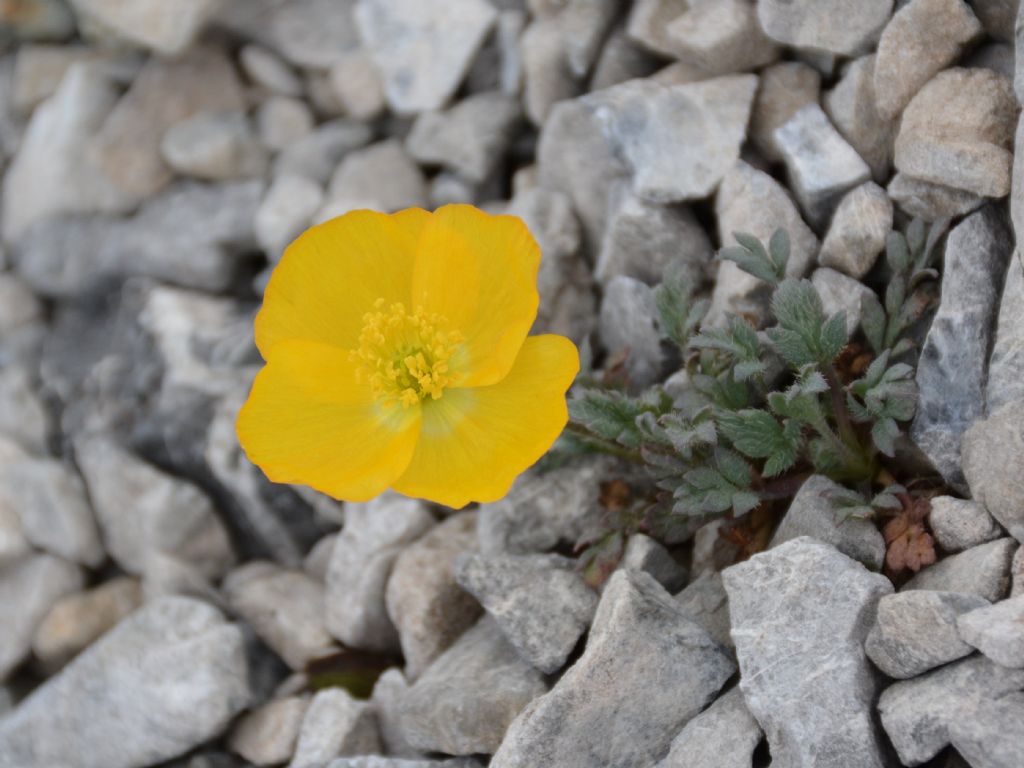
<point>397,356</point>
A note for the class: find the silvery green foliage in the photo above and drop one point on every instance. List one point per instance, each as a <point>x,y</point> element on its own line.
<point>740,430</point>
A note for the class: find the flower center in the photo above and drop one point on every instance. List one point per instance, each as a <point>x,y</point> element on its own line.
<point>404,355</point>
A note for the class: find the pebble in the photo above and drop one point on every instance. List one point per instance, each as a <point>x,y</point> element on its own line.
<point>916,631</point>
<point>335,725</point>
<point>470,139</point>
<point>543,510</point>
<point>642,239</point>
<point>265,68</point>
<point>642,553</point>
<point>165,92</point>
<point>214,145</point>
<point>41,20</point>
<point>77,620</point>
<point>983,570</point>
<point>547,78</point>
<point>54,170</point>
<point>382,174</point>
<point>360,565</point>
<point>958,525</point>
<point>423,50</point>
<point>812,23</point>
<point>629,325</point>
<point>465,700</point>
<point>149,23</point>
<point>539,602</point>
<point>814,512</point>
<point>647,670</point>
<point>389,693</point>
<point>841,293</point>
<point>952,370</point>
<point>425,603</point>
<point>724,735</point>
<point>958,131</point>
<point>800,645</point>
<point>317,155</point>
<point>267,734</point>
<point>287,209</point>
<point>851,106</point>
<point>922,716</point>
<point>928,201</point>
<point>858,231</point>
<point>751,201</point>
<point>388,762</point>
<point>284,607</point>
<point>821,165</point>
<point>1006,364</point>
<point>51,506</point>
<point>706,602</point>
<point>994,465</point>
<point>283,120</point>
<point>357,86</point>
<point>140,509</point>
<point>922,38</point>
<point>172,676</point>
<point>564,282</point>
<point>681,140</point>
<point>29,588</point>
<point>785,88</point>
<point>996,631</point>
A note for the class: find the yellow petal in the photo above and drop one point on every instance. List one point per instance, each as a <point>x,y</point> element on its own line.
<point>474,442</point>
<point>309,421</point>
<point>332,274</point>
<point>480,272</point>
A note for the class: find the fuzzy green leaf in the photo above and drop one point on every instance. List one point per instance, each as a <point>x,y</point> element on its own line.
<point>897,253</point>
<point>680,314</point>
<point>802,335</point>
<point>751,256</point>
<point>613,415</point>
<point>740,342</point>
<point>778,248</point>
<point>873,322</point>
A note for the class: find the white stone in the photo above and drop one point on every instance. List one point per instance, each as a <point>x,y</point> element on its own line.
<point>335,725</point>
<point>214,145</point>
<point>851,106</point>
<point>267,735</point>
<point>858,231</point>
<point>165,28</point>
<point>816,23</point>
<point>287,209</point>
<point>282,121</point>
<point>265,68</point>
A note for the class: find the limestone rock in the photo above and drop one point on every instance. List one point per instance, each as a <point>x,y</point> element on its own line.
<point>917,630</point>
<point>839,292</point>
<point>951,373</point>
<point>357,85</point>
<point>801,652</point>
<point>1006,365</point>
<point>785,88</point>
<point>642,553</point>
<point>851,106</point>
<point>958,525</point>
<point>389,694</point>
<point>140,509</point>
<point>283,120</point>
<point>470,138</point>
<point>163,28</point>
<point>628,325</point>
<point>382,174</point>
<point>542,510</point>
<point>705,601</point>
<point>822,166</point>
<point>361,564</point>
<point>290,204</point>
<point>813,512</point>
<point>921,39</point>
<point>423,50</point>
<point>214,145</point>
<point>642,239</point>
<point>564,281</point>
<point>958,131</point>
<point>29,587</point>
<point>465,700</point>
<point>165,92</point>
<point>647,670</point>
<point>811,24</point>
<point>425,603</point>
<point>267,735</point>
<point>983,570</point>
<point>923,715</point>
<point>995,631</point>
<point>284,607</point>
<point>994,465</point>
<point>265,68</point>
<point>858,231</point>
<point>335,725</point>
<point>78,619</point>
<point>165,680</point>
<point>539,602</point>
<point>547,77</point>
<point>931,202</point>
<point>317,155</point>
<point>724,735</point>
<point>751,201</point>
